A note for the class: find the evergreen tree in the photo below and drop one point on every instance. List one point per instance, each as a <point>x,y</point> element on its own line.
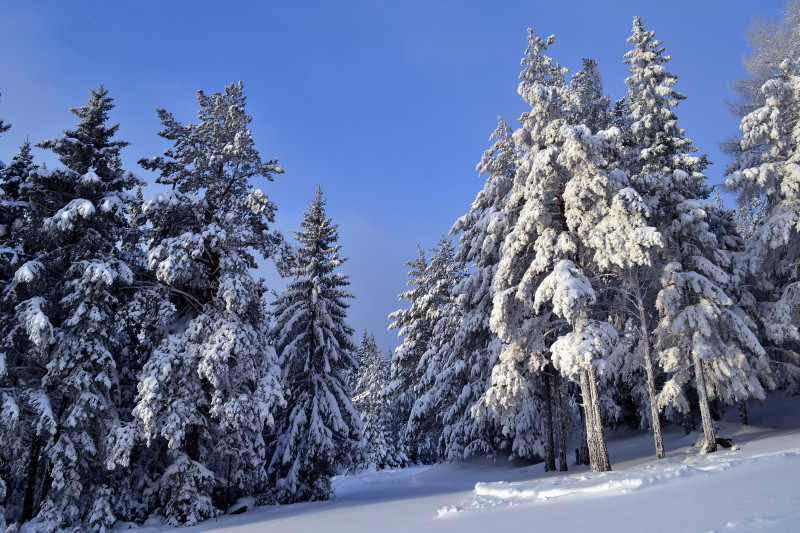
<point>209,387</point>
<point>473,349</point>
<point>693,266</point>
<point>368,399</point>
<point>69,291</point>
<point>404,367</point>
<point>519,397</point>
<point>319,430</point>
<point>764,174</point>
<point>589,105</point>
<point>441,309</point>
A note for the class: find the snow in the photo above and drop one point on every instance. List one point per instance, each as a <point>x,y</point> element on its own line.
<point>752,487</point>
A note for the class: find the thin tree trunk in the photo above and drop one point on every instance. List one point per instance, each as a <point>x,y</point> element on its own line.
<point>651,380</point>
<point>705,411</point>
<point>743,417</point>
<point>603,462</point>
<point>591,441</point>
<point>549,445</point>
<point>562,434</point>
<point>31,478</point>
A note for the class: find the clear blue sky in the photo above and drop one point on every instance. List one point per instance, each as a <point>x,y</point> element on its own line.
<point>387,105</point>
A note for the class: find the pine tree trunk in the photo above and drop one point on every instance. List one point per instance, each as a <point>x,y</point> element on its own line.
<point>705,411</point>
<point>549,445</point>
<point>687,421</point>
<point>590,426</point>
<point>743,417</point>
<point>603,462</point>
<point>582,452</point>
<point>562,434</point>
<point>651,379</point>
<point>716,412</point>
<point>30,478</point>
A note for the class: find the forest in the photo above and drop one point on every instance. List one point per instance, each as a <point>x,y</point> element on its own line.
<point>596,281</point>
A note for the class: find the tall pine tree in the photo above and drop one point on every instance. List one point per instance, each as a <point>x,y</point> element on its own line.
<point>209,387</point>
<point>319,430</point>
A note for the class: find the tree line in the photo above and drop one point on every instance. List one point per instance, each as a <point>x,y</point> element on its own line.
<point>596,280</point>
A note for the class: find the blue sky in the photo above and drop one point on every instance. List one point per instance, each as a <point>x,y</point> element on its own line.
<point>387,105</point>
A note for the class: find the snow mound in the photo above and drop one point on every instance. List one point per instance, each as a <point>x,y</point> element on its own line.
<point>588,485</point>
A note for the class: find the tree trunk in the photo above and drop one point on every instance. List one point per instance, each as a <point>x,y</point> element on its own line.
<point>705,411</point>
<point>31,478</point>
<point>743,417</point>
<point>588,425</point>
<point>651,380</point>
<point>603,463</point>
<point>716,412</point>
<point>549,445</point>
<point>562,434</point>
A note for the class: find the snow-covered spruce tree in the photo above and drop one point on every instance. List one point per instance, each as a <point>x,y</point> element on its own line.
<point>319,430</point>
<point>441,308</point>
<point>765,174</point>
<point>69,290</point>
<point>404,370</point>
<point>515,397</point>
<point>693,266</point>
<point>472,351</point>
<point>210,386</point>
<point>368,399</point>
<point>19,375</point>
<point>590,106</point>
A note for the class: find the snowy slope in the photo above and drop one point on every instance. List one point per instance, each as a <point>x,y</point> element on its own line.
<point>753,487</point>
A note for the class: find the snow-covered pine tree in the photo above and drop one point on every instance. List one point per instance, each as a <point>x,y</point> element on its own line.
<point>319,430</point>
<point>69,291</point>
<point>368,399</point>
<point>765,174</point>
<point>441,308</point>
<point>19,375</point>
<point>404,370</point>
<point>472,351</point>
<point>515,397</point>
<point>590,106</point>
<point>210,386</point>
<point>699,329</point>
<point>578,223</point>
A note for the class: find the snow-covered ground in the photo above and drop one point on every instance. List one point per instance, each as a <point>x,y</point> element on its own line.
<point>753,487</point>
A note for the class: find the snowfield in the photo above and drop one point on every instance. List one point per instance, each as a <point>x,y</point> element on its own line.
<point>753,487</point>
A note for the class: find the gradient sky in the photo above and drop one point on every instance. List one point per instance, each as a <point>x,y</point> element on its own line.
<point>387,105</point>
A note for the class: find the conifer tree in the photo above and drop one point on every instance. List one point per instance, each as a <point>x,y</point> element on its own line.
<point>381,451</point>
<point>404,366</point>
<point>473,349</point>
<point>432,390</point>
<point>764,174</point>
<point>209,387</point>
<point>69,291</point>
<point>693,267</point>
<point>319,430</point>
<point>514,398</point>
